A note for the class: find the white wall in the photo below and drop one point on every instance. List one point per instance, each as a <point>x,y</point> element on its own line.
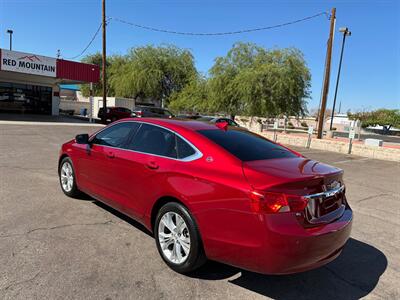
<point>97,103</point>
<point>74,105</point>
<point>55,101</point>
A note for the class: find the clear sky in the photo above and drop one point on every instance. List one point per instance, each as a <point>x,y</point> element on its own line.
<point>371,66</point>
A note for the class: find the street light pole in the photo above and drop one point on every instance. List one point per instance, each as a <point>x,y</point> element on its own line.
<point>345,32</point>
<point>104,63</point>
<point>10,32</point>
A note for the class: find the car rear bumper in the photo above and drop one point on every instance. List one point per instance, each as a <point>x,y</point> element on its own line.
<point>290,248</point>
<point>287,247</point>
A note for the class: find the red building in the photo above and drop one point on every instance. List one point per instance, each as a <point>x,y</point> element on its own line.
<point>30,82</point>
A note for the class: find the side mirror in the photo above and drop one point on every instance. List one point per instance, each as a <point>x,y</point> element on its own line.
<point>82,138</point>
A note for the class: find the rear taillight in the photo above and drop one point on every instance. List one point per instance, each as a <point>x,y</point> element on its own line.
<point>139,113</point>
<point>268,202</point>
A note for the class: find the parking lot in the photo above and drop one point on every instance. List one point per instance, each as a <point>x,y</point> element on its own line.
<point>54,247</point>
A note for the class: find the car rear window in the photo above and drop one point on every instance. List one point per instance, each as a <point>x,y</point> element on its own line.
<point>245,145</point>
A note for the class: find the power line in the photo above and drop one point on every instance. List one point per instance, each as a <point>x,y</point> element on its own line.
<point>90,42</point>
<point>195,33</point>
<point>219,33</point>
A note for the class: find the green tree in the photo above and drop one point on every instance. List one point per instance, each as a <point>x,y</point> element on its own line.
<point>154,72</point>
<point>192,98</point>
<point>114,65</point>
<point>256,81</point>
<point>387,118</point>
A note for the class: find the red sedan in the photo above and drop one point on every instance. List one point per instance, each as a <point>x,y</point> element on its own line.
<point>213,191</point>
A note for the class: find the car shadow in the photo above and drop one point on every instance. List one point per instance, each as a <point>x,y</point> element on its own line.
<point>354,274</point>
<point>123,217</point>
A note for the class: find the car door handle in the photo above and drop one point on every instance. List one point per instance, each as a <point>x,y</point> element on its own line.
<point>110,154</point>
<point>152,165</point>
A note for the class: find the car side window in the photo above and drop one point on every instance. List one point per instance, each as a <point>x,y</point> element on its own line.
<point>155,111</point>
<point>167,113</point>
<point>116,135</point>
<point>183,148</point>
<point>154,140</point>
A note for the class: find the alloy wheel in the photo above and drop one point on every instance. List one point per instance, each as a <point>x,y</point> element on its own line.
<point>67,177</point>
<point>174,237</point>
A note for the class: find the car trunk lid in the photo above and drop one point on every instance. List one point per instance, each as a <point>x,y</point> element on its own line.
<point>321,184</point>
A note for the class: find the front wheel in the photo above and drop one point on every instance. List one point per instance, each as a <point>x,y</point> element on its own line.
<point>178,239</point>
<point>67,178</point>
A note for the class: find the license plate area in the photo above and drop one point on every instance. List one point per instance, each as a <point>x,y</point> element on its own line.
<point>325,207</point>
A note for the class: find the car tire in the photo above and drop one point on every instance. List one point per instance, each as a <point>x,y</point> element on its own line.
<point>193,256</point>
<point>66,174</point>
<point>113,119</point>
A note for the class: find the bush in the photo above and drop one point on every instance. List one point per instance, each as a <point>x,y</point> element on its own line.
<point>304,124</point>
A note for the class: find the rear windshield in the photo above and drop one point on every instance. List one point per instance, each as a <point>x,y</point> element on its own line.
<point>245,145</point>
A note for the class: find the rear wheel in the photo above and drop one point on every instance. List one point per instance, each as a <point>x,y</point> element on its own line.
<point>67,178</point>
<point>178,239</point>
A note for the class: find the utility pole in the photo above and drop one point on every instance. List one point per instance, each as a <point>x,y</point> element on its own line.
<point>104,63</point>
<point>327,75</point>
<point>346,32</point>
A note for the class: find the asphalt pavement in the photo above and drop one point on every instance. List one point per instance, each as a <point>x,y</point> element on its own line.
<point>54,247</point>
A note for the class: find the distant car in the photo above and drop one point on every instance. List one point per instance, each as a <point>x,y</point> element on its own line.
<point>218,120</point>
<point>152,112</point>
<point>115,113</point>
<point>190,117</point>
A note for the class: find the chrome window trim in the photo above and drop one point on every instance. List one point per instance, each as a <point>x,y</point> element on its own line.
<point>198,154</point>
<point>326,194</point>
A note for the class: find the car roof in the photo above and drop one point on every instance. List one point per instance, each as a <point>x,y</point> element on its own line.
<point>190,124</point>
<point>114,107</point>
<point>207,117</point>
